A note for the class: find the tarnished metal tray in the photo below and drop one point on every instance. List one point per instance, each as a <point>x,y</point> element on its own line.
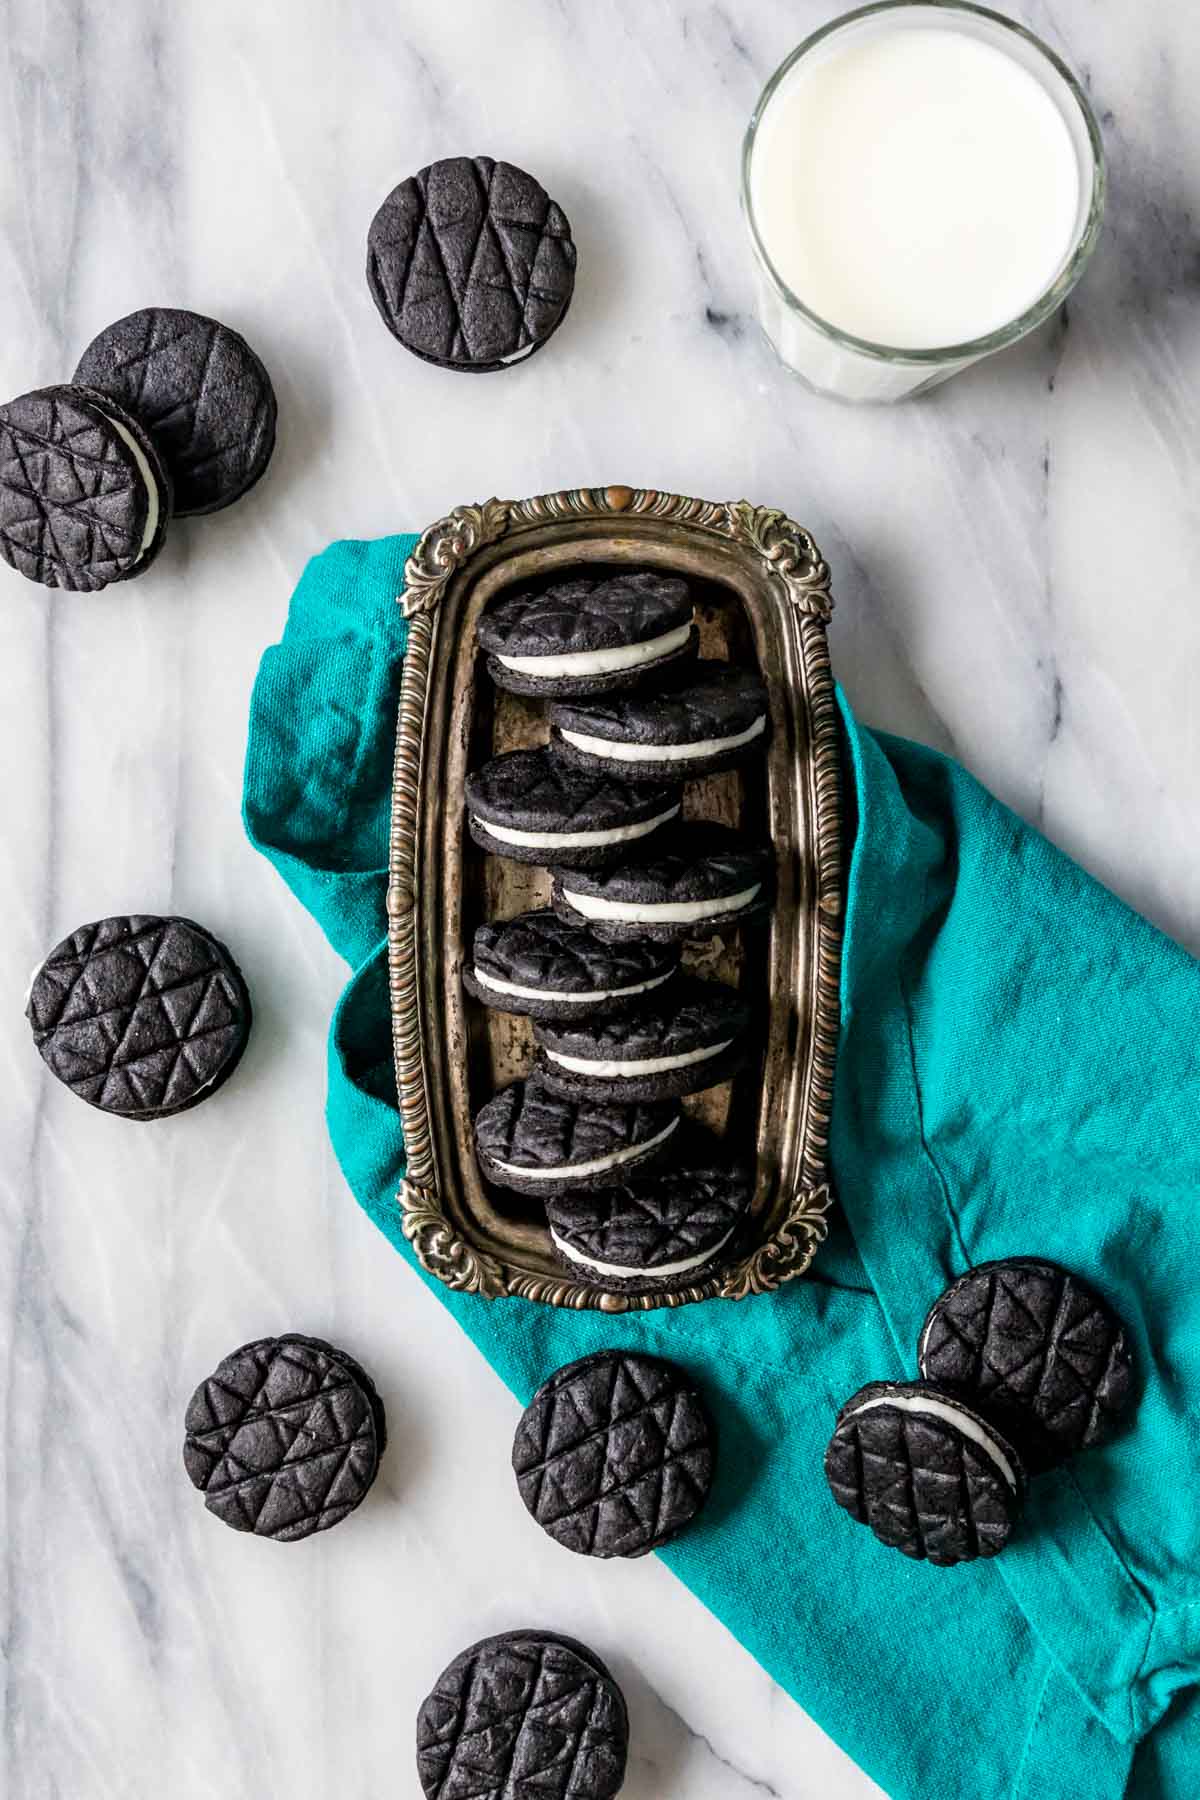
<point>763,599</point>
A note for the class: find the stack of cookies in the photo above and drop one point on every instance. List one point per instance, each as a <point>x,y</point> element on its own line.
<point>637,1194</point>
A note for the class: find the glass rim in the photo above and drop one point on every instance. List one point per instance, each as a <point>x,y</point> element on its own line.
<point>1046,303</point>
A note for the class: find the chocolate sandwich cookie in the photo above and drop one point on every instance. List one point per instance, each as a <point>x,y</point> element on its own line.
<point>702,879</point>
<point>284,1437</point>
<point>1037,1350</point>
<point>199,390</point>
<point>539,1143</point>
<point>712,720</point>
<point>522,1714</point>
<point>680,1220</point>
<point>471,264</point>
<point>589,636</point>
<point>528,805</point>
<point>690,1037</point>
<point>614,1454</point>
<point>140,1016</point>
<point>84,494</point>
<point>928,1474</point>
<point>536,965</point>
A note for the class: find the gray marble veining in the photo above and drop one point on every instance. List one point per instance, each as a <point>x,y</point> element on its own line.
<point>1015,561</point>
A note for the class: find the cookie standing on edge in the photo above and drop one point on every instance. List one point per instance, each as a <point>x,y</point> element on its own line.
<point>614,1454</point>
<point>199,390</point>
<point>529,806</point>
<point>471,264</point>
<point>927,1473</point>
<point>704,879</point>
<point>589,636</point>
<point>537,966</point>
<point>284,1437</point>
<point>141,1016</point>
<point>523,1713</point>
<point>679,1220</point>
<point>689,1037</point>
<point>538,1143</point>
<point>84,494</point>
<point>1038,1350</point>
<point>713,720</point>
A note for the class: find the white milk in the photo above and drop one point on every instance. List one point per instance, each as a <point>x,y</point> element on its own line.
<point>917,186</point>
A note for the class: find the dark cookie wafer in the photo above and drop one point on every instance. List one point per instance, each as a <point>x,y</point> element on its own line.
<point>140,1016</point>
<point>200,391</point>
<point>589,635</point>
<point>539,1143</point>
<point>535,965</point>
<point>699,879</point>
<point>471,264</point>
<point>614,1454</point>
<point>529,806</point>
<point>284,1438</point>
<point>1037,1350</point>
<point>522,1714</point>
<point>928,1474</point>
<point>84,495</point>
<point>689,1037</point>
<point>710,719</point>
<point>674,1223</point>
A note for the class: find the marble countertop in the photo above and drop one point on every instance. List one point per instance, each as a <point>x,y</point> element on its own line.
<point>1015,565</point>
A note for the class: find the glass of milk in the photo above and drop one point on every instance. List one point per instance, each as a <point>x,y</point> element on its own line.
<point>923,183</point>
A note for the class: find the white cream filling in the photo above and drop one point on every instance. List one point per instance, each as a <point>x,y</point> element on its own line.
<point>570,1171</point>
<point>661,912</point>
<point>950,1415</point>
<point>610,747</point>
<point>572,840</point>
<point>533,993</point>
<point>621,1271</point>
<point>599,662</point>
<point>147,474</point>
<point>651,1065</point>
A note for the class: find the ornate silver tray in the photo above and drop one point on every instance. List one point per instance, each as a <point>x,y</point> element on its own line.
<point>763,597</point>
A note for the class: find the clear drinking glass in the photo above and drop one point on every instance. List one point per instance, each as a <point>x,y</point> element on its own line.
<point>835,362</point>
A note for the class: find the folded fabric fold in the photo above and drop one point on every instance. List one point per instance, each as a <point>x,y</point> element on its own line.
<point>1019,1071</point>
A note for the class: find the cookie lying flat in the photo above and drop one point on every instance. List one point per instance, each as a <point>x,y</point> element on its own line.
<point>529,806</point>
<point>927,1473</point>
<point>535,1141</point>
<point>523,1714</point>
<point>682,1219</point>
<point>140,1016</point>
<point>84,495</point>
<point>471,264</point>
<point>589,637</point>
<point>201,393</point>
<point>614,1454</point>
<point>704,879</point>
<point>285,1437</point>
<point>690,1037</point>
<point>1038,1350</point>
<point>536,965</point>
<point>713,720</point>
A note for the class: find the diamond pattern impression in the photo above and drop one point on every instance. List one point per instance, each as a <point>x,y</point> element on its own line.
<point>136,1015</point>
<point>614,1455</point>
<point>281,1439</point>
<point>72,502</point>
<point>921,1487</point>
<point>642,1224</point>
<point>201,393</point>
<point>477,262</point>
<point>1037,1349</point>
<point>519,1718</point>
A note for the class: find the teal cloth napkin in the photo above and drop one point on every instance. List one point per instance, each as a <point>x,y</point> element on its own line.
<point>1019,1073</point>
